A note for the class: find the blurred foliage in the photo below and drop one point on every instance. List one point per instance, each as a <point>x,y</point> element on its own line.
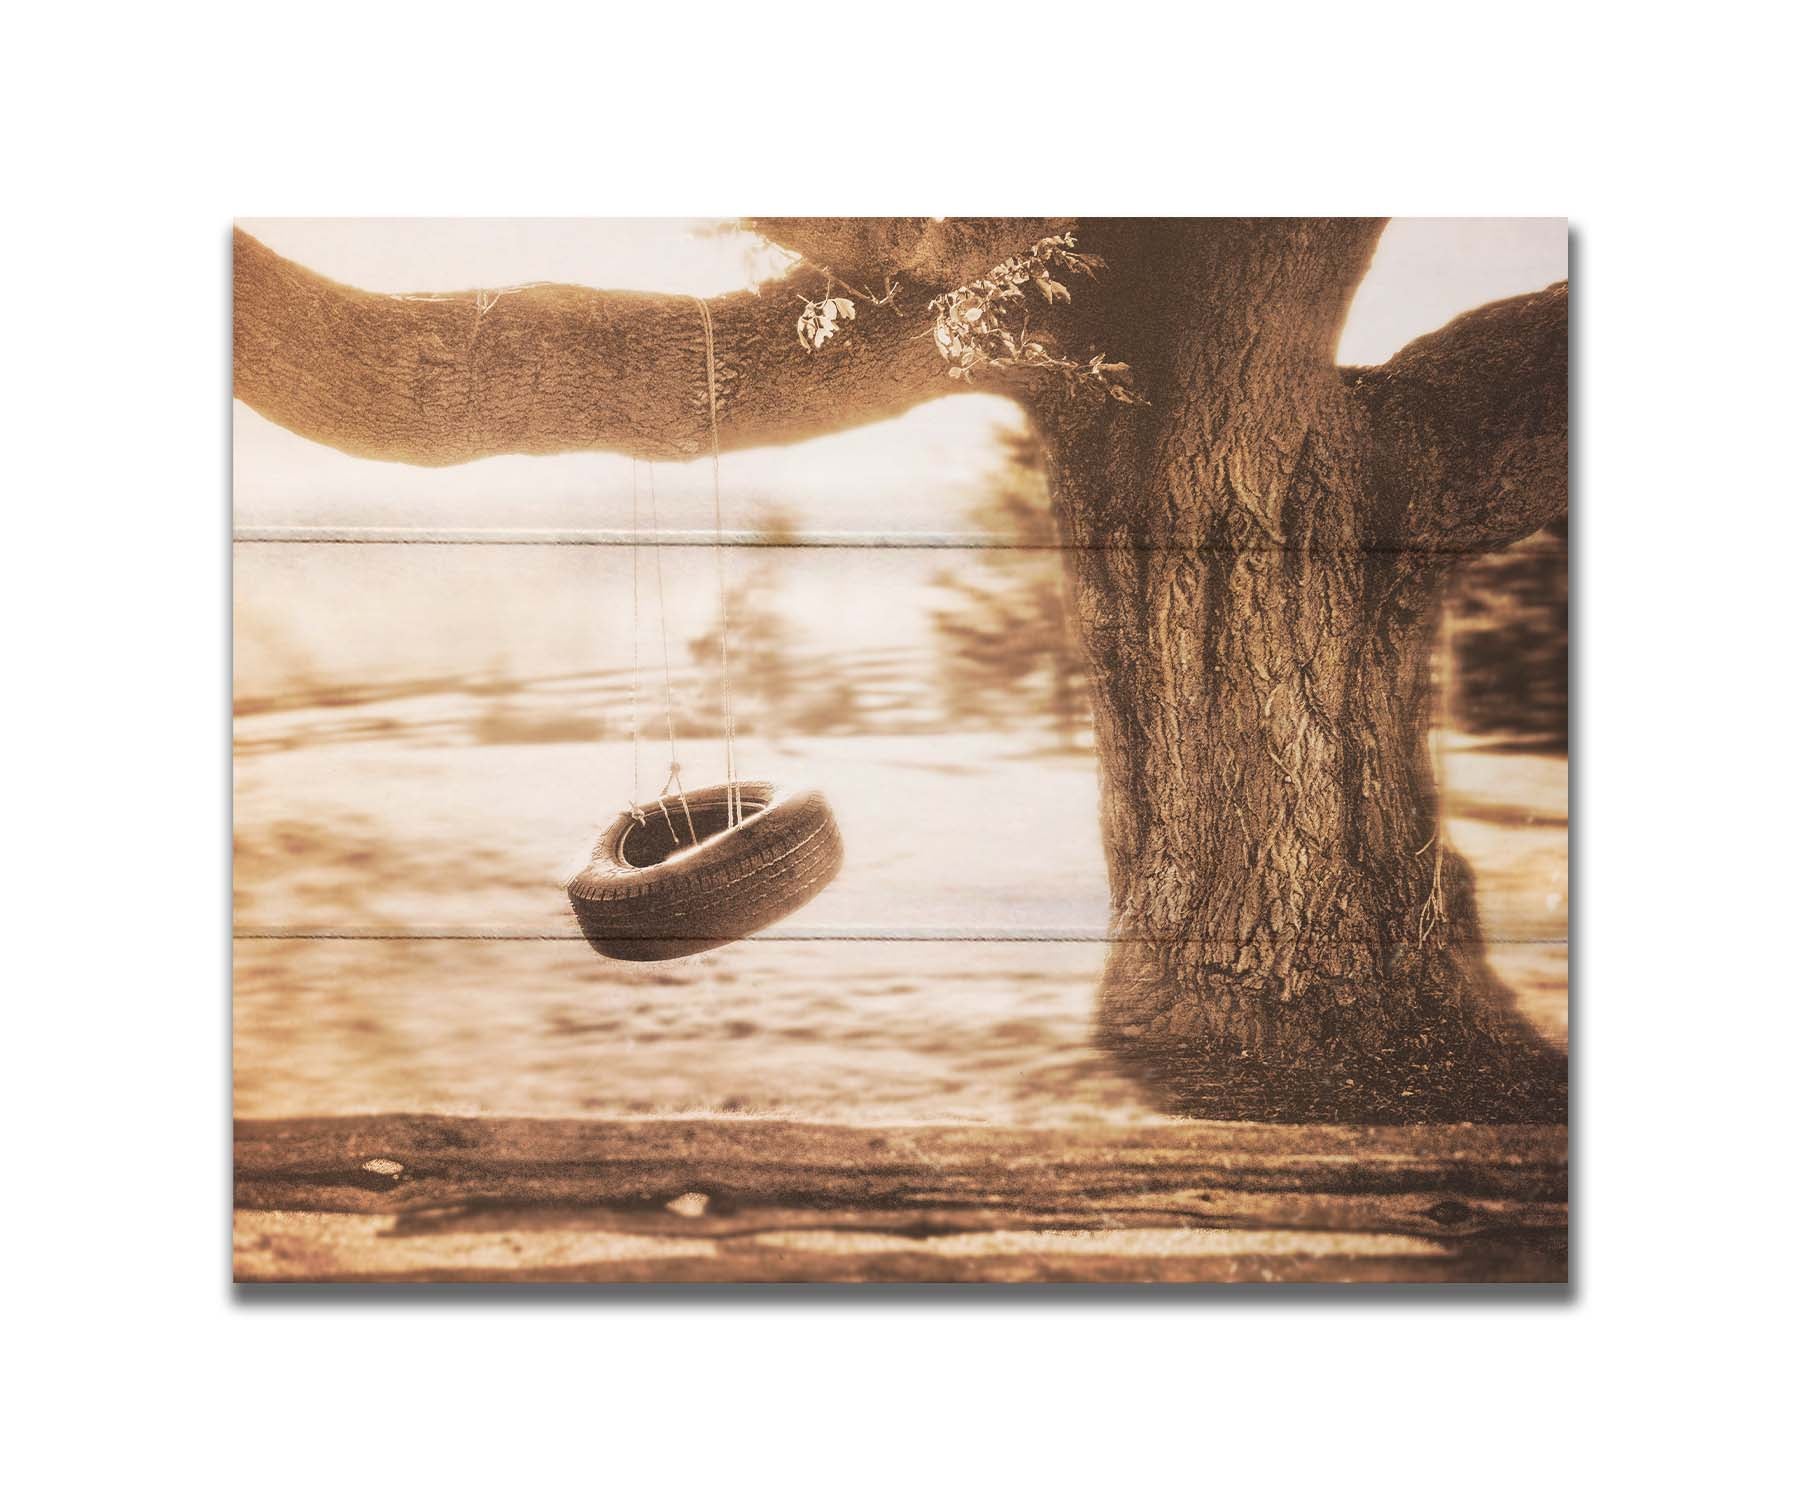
<point>1008,656</point>
<point>1006,651</point>
<point>1509,627</point>
<point>1000,653</point>
<point>780,683</point>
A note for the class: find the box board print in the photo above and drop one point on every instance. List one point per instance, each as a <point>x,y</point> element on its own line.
<point>900,749</point>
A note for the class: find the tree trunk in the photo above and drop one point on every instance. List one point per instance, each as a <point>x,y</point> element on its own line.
<point>1291,938</point>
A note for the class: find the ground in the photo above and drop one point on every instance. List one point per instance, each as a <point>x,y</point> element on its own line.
<point>454,995</point>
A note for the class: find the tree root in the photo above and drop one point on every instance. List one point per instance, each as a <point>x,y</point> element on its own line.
<point>1504,1079</point>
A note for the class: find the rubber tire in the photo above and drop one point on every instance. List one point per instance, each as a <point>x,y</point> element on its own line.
<point>731,884</point>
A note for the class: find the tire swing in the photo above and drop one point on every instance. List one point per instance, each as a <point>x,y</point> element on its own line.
<point>687,871</point>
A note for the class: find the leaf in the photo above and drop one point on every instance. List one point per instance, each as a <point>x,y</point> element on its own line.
<point>846,309</point>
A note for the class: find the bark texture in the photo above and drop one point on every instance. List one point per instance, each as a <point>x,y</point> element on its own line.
<point>1469,427</point>
<point>1257,560</point>
<point>445,378</point>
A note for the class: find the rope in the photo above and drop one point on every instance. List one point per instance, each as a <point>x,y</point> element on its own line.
<point>1432,914</point>
<point>662,611</point>
<point>734,807</point>
<point>637,775</point>
<point>734,810</point>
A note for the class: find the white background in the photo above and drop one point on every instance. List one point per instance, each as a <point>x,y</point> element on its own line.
<point>133,137</point>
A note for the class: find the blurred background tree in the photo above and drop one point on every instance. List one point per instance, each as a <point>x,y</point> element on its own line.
<point>781,684</point>
<point>988,647</point>
<point>1006,653</point>
<point>1509,628</point>
<point>1007,656</point>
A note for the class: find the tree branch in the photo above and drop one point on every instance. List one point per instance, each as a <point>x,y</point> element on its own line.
<point>1471,425</point>
<point>442,379</point>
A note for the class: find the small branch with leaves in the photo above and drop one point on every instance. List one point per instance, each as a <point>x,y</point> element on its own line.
<point>819,320</point>
<point>822,319</point>
<point>986,325</point>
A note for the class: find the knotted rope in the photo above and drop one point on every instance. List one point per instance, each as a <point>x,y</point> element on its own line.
<point>734,802</point>
<point>733,797</point>
<point>662,617</point>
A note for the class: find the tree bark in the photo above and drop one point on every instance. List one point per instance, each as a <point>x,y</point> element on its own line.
<point>1258,583</point>
<point>445,378</point>
<point>1257,560</point>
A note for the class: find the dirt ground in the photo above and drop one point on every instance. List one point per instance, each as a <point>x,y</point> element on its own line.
<point>403,945</point>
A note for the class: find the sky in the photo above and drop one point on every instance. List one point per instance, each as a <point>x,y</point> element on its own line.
<point>366,610</point>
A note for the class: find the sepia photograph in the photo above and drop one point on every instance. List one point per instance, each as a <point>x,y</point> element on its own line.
<point>901,750</point>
